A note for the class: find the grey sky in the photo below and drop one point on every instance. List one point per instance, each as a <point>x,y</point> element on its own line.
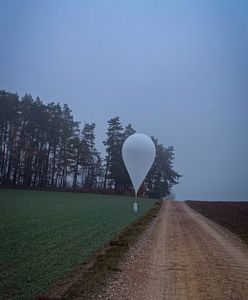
<point>177,70</point>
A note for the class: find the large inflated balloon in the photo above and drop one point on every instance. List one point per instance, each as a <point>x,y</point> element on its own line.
<point>138,153</point>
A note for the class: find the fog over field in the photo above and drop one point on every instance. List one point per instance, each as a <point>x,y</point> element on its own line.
<point>173,69</point>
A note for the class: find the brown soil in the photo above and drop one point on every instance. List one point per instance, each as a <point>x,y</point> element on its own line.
<point>182,255</point>
<point>232,215</point>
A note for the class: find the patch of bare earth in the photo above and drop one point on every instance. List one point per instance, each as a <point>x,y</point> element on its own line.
<point>182,255</point>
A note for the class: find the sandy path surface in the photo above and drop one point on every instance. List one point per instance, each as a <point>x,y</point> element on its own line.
<point>182,255</point>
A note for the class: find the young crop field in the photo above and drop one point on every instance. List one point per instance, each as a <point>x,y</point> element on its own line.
<point>232,215</point>
<point>44,235</point>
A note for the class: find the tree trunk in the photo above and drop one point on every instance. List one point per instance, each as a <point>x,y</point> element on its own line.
<point>106,174</point>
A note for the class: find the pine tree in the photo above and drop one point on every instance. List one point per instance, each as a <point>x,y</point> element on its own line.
<point>113,158</point>
<point>161,177</point>
<point>90,166</point>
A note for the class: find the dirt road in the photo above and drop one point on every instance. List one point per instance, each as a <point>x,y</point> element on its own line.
<point>182,255</point>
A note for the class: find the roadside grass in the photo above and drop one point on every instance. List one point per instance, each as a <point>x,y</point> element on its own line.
<point>45,235</point>
<point>231,215</point>
<point>87,281</point>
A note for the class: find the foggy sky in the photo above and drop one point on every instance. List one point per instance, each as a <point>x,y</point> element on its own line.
<point>177,70</point>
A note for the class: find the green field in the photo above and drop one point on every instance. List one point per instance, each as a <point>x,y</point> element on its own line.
<point>44,235</point>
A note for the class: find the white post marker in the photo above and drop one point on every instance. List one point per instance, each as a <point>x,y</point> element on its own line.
<point>138,153</point>
<point>135,204</point>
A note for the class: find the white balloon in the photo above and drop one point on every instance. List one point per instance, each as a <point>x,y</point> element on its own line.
<point>138,153</point>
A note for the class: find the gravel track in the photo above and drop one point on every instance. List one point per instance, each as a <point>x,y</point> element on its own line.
<point>182,255</point>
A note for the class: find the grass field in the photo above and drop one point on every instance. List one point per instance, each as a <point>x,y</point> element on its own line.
<point>45,234</point>
<point>232,215</point>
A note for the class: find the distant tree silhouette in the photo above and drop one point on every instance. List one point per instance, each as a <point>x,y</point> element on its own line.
<point>42,146</point>
<point>161,178</point>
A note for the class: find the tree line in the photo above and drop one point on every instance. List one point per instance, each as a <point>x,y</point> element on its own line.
<point>42,146</point>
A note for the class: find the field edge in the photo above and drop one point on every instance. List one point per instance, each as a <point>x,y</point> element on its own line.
<point>241,234</point>
<point>90,276</point>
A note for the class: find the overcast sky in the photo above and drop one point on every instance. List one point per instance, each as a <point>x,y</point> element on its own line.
<point>177,70</point>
